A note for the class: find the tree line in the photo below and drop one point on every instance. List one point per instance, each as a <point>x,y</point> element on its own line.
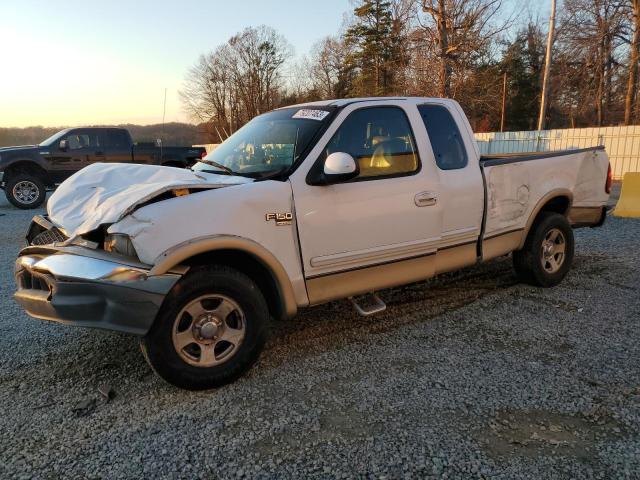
<point>172,134</point>
<point>461,49</point>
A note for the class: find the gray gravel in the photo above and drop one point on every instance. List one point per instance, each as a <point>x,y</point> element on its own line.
<point>469,375</point>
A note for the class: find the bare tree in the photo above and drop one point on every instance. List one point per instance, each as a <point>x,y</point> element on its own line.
<point>237,81</point>
<point>207,92</point>
<point>331,76</point>
<point>634,47</point>
<point>591,34</point>
<point>457,30</point>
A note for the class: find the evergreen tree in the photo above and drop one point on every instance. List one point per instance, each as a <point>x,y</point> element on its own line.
<point>522,62</point>
<point>374,47</point>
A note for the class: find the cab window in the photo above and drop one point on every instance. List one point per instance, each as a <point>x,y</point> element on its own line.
<point>118,139</point>
<point>380,140</point>
<point>81,140</point>
<point>446,142</point>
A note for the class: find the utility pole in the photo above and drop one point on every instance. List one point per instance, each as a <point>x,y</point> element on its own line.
<point>544,101</point>
<point>164,112</point>
<point>164,109</point>
<point>504,100</point>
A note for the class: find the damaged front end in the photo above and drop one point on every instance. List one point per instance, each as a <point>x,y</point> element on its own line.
<point>93,280</point>
<point>75,271</point>
<point>91,288</point>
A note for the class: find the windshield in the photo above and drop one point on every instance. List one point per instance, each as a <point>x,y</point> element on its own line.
<point>267,144</point>
<point>53,138</point>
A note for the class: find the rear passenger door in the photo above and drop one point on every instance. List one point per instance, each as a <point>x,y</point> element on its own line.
<point>462,193</point>
<point>118,146</point>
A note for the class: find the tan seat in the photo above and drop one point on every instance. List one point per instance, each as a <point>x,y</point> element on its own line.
<point>390,157</point>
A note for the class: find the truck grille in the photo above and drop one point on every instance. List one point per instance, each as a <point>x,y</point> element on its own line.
<point>33,281</point>
<point>48,237</point>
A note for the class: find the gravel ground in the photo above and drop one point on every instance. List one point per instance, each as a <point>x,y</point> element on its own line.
<point>468,375</point>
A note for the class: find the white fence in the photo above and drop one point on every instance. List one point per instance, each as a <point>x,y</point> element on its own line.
<point>621,143</point>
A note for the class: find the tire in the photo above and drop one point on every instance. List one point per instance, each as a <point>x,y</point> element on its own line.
<point>548,251</point>
<point>210,330</point>
<point>25,191</point>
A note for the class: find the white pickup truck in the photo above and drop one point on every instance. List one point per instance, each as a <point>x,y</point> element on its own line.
<point>304,205</point>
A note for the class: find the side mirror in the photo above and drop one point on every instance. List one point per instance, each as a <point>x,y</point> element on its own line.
<point>63,146</point>
<point>338,167</point>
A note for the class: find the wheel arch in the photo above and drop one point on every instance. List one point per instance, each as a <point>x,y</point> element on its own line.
<point>27,166</point>
<point>558,200</point>
<point>242,254</point>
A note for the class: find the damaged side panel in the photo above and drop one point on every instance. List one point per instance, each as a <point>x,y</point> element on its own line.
<point>508,194</point>
<point>240,212</point>
<point>514,190</point>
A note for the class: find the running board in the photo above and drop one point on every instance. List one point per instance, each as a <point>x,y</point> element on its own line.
<point>376,306</point>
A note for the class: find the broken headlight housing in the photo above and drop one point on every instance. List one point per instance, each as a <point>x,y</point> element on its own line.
<point>119,243</point>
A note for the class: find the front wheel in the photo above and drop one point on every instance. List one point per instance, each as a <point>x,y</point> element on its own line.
<point>25,191</point>
<point>547,254</point>
<point>210,330</point>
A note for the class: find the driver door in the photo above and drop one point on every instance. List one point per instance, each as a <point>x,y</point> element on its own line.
<point>376,230</point>
<point>67,160</point>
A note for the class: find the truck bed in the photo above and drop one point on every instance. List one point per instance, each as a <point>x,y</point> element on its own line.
<point>504,158</point>
<point>517,184</point>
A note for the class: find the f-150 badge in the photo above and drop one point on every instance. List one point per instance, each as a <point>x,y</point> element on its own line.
<point>280,218</point>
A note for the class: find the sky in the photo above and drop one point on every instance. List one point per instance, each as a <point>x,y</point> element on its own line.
<point>73,62</point>
<point>88,62</point>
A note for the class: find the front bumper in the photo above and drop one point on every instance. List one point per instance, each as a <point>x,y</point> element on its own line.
<point>89,288</point>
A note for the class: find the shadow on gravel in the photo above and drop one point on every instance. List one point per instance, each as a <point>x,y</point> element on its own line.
<point>323,328</point>
<point>91,357</point>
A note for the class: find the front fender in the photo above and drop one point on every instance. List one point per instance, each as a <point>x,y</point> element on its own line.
<point>179,253</point>
<point>33,161</point>
<point>236,217</point>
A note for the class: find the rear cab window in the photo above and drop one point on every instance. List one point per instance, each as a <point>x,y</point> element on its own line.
<point>118,139</point>
<point>444,135</point>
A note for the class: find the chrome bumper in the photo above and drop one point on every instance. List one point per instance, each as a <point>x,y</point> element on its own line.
<point>88,288</point>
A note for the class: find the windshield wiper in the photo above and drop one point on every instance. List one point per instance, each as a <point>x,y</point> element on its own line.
<point>272,174</point>
<point>218,165</point>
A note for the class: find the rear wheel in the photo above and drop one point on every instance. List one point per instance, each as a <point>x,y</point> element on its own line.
<point>211,329</point>
<point>25,190</point>
<point>547,254</point>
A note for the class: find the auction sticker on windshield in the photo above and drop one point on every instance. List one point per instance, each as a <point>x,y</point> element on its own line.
<point>311,114</point>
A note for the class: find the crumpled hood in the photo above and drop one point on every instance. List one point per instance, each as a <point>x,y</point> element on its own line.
<point>104,193</point>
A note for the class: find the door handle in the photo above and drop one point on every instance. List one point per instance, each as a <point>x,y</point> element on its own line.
<point>100,154</point>
<point>425,199</point>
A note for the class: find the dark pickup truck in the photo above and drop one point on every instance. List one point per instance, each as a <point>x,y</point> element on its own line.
<point>27,172</point>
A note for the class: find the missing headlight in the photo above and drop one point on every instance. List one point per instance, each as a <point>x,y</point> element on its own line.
<point>119,243</point>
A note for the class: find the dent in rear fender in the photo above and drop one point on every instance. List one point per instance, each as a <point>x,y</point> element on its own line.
<point>508,190</point>
<point>237,212</point>
<point>517,190</point>
<point>591,179</point>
